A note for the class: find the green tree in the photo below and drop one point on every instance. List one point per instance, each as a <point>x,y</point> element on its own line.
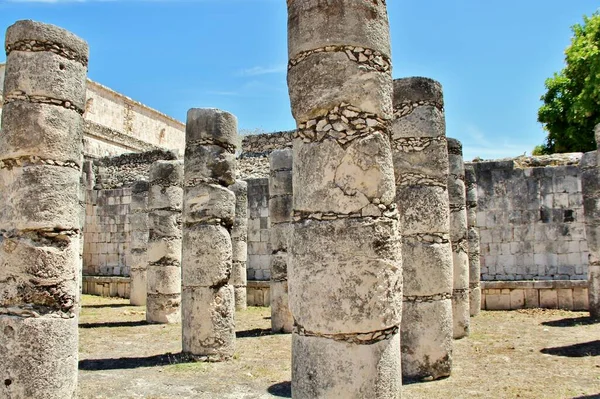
<point>571,104</point>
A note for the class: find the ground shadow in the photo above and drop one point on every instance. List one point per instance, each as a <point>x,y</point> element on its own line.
<point>577,350</point>
<point>108,305</point>
<point>114,324</point>
<point>595,396</point>
<point>256,332</point>
<point>133,362</point>
<point>281,389</point>
<point>572,322</point>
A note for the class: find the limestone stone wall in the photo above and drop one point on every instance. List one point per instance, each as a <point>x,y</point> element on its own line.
<point>530,219</point>
<point>259,251</point>
<point>253,161</point>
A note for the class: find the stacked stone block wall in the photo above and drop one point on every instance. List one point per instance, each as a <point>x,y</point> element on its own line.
<point>530,219</point>
<point>550,294</point>
<point>259,250</point>
<point>253,161</point>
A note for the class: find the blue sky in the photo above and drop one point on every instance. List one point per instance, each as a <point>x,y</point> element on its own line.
<point>492,57</point>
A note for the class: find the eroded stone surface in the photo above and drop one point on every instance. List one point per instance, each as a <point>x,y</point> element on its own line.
<point>239,245</point>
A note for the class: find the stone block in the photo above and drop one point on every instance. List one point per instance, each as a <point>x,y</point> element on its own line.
<point>41,130</point>
<point>209,162</point>
<point>161,197</point>
<point>38,346</point>
<point>580,299</point>
<point>423,209</point>
<point>208,202</point>
<point>207,260</point>
<point>565,299</point>
<point>207,318</point>
<point>517,299</point>
<point>211,124</point>
<point>163,280</point>
<point>280,182</point>
<point>497,302</point>
<point>376,375</point>
<point>164,251</point>
<point>426,340</point>
<point>427,268</point>
<point>279,266</point>
<point>163,309</point>
<point>548,298</point>
<point>137,295</point>
<point>279,236</point>
<point>239,251</point>
<point>280,209</point>
<point>281,316</point>
<point>328,173</point>
<point>342,252</point>
<point>164,224</point>
<point>532,298</point>
<point>461,313</point>
<point>40,197</point>
<point>241,300</point>
<point>238,274</point>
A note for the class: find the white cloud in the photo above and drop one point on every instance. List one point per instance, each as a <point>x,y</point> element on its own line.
<point>260,70</point>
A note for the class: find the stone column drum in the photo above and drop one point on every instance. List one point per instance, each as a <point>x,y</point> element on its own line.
<point>590,183</point>
<point>421,169</point>
<point>280,218</point>
<point>208,306</point>
<point>345,271</point>
<point>138,242</point>
<point>473,241</point>
<point>165,202</point>
<point>239,242</point>
<point>458,237</point>
<point>40,207</point>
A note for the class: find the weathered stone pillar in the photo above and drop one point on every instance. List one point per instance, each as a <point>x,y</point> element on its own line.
<point>590,184</point>
<point>239,242</point>
<point>208,306</point>
<point>40,171</point>
<point>421,169</point>
<point>138,243</point>
<point>345,271</point>
<point>458,237</point>
<point>280,217</point>
<point>165,202</point>
<point>473,240</point>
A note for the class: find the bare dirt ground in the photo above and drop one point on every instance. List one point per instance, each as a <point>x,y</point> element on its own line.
<point>519,354</point>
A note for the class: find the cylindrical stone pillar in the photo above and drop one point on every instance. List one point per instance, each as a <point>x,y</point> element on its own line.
<point>590,183</point>
<point>239,242</point>
<point>345,272</point>
<point>138,242</point>
<point>421,169</point>
<point>458,237</point>
<point>208,306</point>
<point>40,207</point>
<point>165,202</point>
<point>473,241</point>
<point>280,218</point>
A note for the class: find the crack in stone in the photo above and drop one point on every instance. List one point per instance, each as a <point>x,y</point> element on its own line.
<point>427,298</point>
<point>369,58</point>
<point>389,212</point>
<point>414,144</point>
<point>419,179</point>
<point>18,95</point>
<point>369,338</point>
<point>212,141</point>
<point>47,46</point>
<point>432,238</point>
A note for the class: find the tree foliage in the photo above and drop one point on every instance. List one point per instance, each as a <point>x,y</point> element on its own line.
<point>571,104</point>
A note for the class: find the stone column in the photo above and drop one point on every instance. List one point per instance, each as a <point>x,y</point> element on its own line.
<point>165,201</point>
<point>473,241</point>
<point>239,242</point>
<point>458,237</point>
<point>40,226</point>
<point>280,218</point>
<point>590,183</point>
<point>345,271</point>
<point>138,243</point>
<point>421,168</point>
<point>208,306</point>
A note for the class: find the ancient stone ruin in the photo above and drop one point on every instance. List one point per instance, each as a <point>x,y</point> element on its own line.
<point>281,216</point>
<point>473,241</point>
<point>40,210</point>
<point>421,169</point>
<point>208,304</point>
<point>345,271</point>
<point>239,243</point>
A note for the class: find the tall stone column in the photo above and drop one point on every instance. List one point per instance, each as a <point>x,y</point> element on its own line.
<point>208,306</point>
<point>590,183</point>
<point>280,216</point>
<point>473,240</point>
<point>345,271</point>
<point>239,242</point>
<point>458,237</point>
<point>165,202</point>
<point>40,226</point>
<point>138,243</point>
<point>421,169</point>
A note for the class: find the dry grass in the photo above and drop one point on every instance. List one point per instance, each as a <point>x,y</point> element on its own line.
<point>520,354</point>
